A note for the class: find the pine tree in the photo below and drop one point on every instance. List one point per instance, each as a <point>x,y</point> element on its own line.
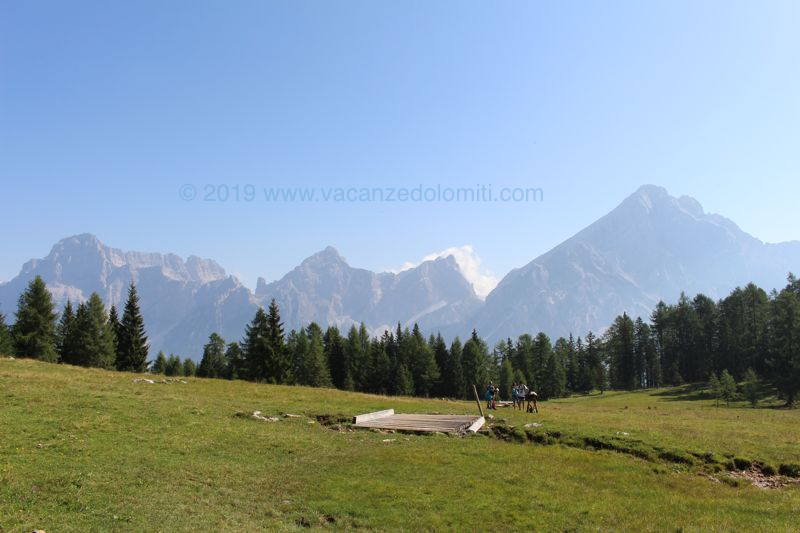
<point>541,351</point>
<point>523,358</point>
<point>441,357</point>
<point>174,367</point>
<point>506,378</point>
<point>214,363</point>
<point>256,347</point>
<point>34,332</point>
<point>727,387</point>
<point>6,344</point>
<point>315,367</point>
<point>113,323</point>
<point>337,359</point>
<point>750,387</point>
<point>159,366</point>
<point>453,372</point>
<point>553,383</point>
<point>380,366</point>
<point>132,344</point>
<point>66,335</point>
<point>474,362</point>
<point>278,361</point>
<point>404,382</point>
<point>234,361</point>
<point>715,387</point>
<point>423,363</point>
<point>783,363</point>
<point>189,368</point>
<point>96,345</point>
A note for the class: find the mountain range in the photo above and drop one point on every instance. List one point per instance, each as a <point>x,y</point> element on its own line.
<point>651,247</point>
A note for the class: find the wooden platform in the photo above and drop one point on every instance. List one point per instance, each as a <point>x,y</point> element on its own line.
<point>388,420</point>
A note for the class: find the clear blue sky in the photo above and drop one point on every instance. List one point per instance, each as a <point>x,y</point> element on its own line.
<point>108,108</point>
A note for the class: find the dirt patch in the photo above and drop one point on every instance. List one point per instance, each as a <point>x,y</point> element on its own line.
<point>756,477</point>
<point>341,423</point>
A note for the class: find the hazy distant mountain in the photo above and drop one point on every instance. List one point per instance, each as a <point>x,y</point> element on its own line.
<point>184,301</point>
<point>651,247</point>
<point>325,289</point>
<point>171,290</point>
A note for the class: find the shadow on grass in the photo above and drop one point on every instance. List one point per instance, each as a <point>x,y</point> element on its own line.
<point>685,393</point>
<point>700,391</point>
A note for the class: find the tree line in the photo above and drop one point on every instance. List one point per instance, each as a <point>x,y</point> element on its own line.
<point>87,335</point>
<point>748,333</point>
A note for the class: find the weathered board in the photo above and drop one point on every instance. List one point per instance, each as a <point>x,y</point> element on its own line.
<point>421,423</point>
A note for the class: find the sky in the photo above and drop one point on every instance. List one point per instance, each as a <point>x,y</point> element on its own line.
<point>126,119</point>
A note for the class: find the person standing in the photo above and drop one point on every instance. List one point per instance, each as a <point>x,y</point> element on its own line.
<point>489,395</point>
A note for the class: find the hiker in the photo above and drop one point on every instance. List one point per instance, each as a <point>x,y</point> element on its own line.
<point>532,406</point>
<point>489,395</point>
<point>522,394</point>
<point>514,395</point>
<point>518,398</point>
<point>495,398</point>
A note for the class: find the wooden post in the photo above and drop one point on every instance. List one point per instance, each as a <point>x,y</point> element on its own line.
<point>477,399</point>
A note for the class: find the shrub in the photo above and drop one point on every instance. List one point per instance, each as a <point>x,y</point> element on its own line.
<point>767,470</point>
<point>741,464</point>
<point>790,470</point>
<point>540,438</point>
<point>676,457</point>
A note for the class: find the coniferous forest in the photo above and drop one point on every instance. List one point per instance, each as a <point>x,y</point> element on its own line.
<point>749,336</point>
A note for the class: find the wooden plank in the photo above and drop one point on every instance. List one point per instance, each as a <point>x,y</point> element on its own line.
<point>372,416</point>
<point>423,423</point>
<point>478,424</point>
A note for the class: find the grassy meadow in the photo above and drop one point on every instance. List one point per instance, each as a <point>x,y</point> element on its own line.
<point>92,450</point>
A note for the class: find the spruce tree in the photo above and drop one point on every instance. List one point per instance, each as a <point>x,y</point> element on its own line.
<point>750,387</point>
<point>554,378</point>
<point>315,367</point>
<point>542,349</point>
<point>66,335</point>
<point>441,356</point>
<point>506,378</point>
<point>727,386</point>
<point>235,363</point>
<point>34,332</point>
<point>404,381</point>
<point>214,363</point>
<point>256,347</point>
<point>783,363</point>
<point>113,323</point>
<point>174,367</point>
<point>423,363</point>
<point>159,366</point>
<point>379,366</point>
<point>474,362</point>
<point>132,344</point>
<point>189,368</point>
<point>6,344</point>
<point>453,372</point>
<point>337,360</point>
<point>278,361</point>
<point>96,345</point>
<point>715,387</point>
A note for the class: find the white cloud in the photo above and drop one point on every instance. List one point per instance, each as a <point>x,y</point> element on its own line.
<point>470,265</point>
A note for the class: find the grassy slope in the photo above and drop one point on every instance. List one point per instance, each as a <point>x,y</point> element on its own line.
<point>86,450</point>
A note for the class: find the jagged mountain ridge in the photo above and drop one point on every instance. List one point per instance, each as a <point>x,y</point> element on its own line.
<point>650,247</point>
<point>184,301</point>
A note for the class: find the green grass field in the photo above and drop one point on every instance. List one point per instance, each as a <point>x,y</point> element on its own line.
<point>90,450</point>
